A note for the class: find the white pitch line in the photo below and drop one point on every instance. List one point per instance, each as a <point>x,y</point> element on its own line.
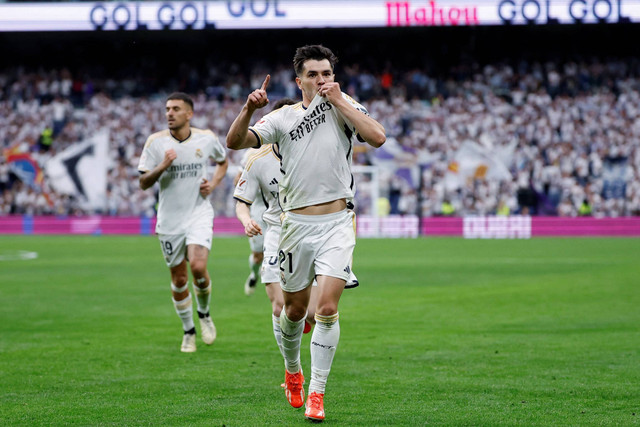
<point>17,255</point>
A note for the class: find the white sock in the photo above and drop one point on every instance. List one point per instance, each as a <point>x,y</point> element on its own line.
<point>291,338</point>
<point>324,342</point>
<point>203,295</point>
<point>255,267</point>
<point>185,312</point>
<point>277,332</point>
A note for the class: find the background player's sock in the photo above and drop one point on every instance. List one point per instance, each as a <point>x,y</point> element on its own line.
<point>255,267</point>
<point>277,332</point>
<point>291,338</point>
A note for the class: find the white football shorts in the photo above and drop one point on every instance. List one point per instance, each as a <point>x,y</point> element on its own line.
<point>257,242</point>
<point>313,245</point>
<point>270,272</point>
<point>174,246</point>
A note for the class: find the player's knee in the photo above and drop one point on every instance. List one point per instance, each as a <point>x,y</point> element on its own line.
<point>295,313</point>
<point>199,268</point>
<point>326,309</point>
<point>276,309</point>
<point>179,280</point>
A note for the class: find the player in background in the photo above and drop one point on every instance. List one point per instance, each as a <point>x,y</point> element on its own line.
<point>178,158</point>
<point>317,239</point>
<point>256,242</point>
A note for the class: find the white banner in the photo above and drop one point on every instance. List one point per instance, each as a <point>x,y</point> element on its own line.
<point>474,161</point>
<point>81,171</point>
<point>255,14</point>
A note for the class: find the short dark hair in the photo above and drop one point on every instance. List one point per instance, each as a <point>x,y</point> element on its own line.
<point>182,97</point>
<point>282,102</point>
<point>315,51</point>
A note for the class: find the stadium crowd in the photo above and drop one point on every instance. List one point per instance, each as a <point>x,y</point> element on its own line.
<point>567,132</point>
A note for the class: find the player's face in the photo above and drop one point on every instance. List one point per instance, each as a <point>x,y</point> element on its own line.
<point>178,113</point>
<point>314,74</point>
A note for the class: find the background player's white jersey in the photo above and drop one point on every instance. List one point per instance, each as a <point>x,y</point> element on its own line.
<point>180,199</point>
<point>316,169</point>
<point>259,181</point>
<point>258,207</point>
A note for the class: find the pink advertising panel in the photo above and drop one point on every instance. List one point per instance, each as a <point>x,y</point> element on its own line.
<point>16,224</point>
<point>482,227</point>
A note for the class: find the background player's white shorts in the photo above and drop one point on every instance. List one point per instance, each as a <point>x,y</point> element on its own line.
<point>313,245</point>
<point>174,246</point>
<point>270,272</point>
<point>257,242</point>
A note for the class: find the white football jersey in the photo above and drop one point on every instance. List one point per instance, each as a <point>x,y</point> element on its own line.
<point>315,148</point>
<point>180,199</point>
<point>259,181</point>
<point>258,206</point>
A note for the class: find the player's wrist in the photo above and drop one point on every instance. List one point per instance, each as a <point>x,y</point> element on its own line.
<point>250,108</point>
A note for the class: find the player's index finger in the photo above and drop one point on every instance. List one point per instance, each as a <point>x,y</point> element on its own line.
<point>265,83</point>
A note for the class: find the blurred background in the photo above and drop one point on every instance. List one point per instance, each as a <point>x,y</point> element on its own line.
<point>490,117</point>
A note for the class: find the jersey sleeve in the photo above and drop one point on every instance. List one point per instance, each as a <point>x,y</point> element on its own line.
<point>245,157</point>
<point>149,157</point>
<point>218,152</point>
<point>358,107</point>
<point>247,187</point>
<point>267,129</point>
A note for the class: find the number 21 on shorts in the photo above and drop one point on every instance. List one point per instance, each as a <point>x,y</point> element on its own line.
<point>283,259</point>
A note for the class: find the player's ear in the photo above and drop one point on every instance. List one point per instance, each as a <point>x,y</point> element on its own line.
<point>299,82</point>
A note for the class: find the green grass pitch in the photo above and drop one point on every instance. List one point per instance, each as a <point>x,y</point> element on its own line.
<point>442,331</point>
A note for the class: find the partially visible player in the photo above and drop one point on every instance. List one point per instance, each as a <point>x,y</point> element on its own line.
<point>178,159</point>
<point>314,142</point>
<point>259,183</point>
<point>256,242</point>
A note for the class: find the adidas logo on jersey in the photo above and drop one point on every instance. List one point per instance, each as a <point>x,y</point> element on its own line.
<point>273,181</point>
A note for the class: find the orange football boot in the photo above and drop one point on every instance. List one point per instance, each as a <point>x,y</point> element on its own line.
<point>293,388</point>
<point>315,407</point>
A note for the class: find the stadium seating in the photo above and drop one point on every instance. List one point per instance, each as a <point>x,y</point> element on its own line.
<point>566,133</point>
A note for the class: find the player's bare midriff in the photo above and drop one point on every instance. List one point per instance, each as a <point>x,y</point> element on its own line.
<point>322,208</point>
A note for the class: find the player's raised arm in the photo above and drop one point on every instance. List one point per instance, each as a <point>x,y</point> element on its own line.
<point>239,136</point>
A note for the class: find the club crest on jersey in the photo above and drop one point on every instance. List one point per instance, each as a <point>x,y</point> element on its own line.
<point>199,153</point>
